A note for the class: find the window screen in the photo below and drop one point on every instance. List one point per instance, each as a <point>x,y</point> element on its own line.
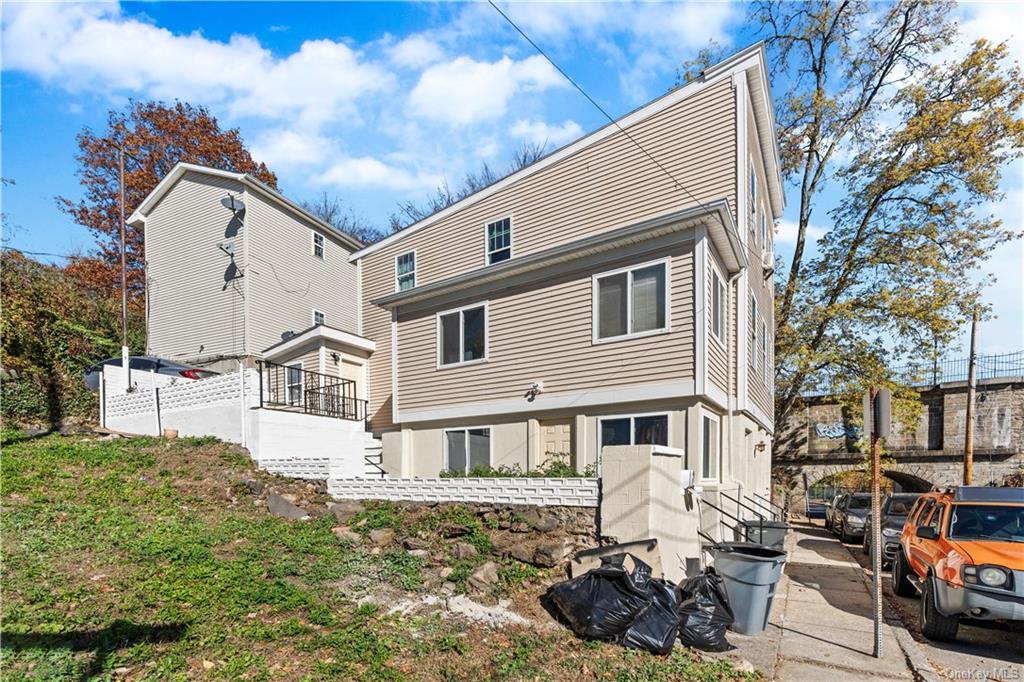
<point>463,336</point>
<point>632,302</point>
<point>499,241</point>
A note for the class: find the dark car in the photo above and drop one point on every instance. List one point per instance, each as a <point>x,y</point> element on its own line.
<point>894,514</point>
<point>850,515</point>
<point>830,510</point>
<point>146,363</point>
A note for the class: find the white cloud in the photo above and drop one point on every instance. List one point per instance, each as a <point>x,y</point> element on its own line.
<point>415,52</point>
<point>289,147</point>
<point>787,231</point>
<point>464,91</point>
<point>366,172</point>
<point>997,21</point>
<point>93,48</point>
<point>541,133</point>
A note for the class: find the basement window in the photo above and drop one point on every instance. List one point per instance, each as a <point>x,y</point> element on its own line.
<point>646,429</point>
<point>710,446</point>
<point>467,449</point>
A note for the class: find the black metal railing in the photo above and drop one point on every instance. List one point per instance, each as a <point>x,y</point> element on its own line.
<point>291,388</point>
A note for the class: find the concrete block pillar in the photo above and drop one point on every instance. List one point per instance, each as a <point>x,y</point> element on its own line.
<point>642,497</point>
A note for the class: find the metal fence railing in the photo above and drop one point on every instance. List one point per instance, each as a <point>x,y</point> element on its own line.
<point>291,388</point>
<point>943,371</point>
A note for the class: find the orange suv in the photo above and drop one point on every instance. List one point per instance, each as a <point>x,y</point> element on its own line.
<point>962,550</point>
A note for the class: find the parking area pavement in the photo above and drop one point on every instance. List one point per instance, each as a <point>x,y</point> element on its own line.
<point>987,651</point>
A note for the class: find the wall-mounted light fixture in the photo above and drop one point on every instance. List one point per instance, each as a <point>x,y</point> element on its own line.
<point>335,357</point>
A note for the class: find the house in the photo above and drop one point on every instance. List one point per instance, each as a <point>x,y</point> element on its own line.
<point>616,292</point>
<point>235,272</point>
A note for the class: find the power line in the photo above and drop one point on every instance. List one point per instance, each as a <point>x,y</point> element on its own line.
<point>42,253</point>
<point>615,123</point>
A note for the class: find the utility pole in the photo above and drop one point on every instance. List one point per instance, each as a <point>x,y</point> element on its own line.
<point>124,272</point>
<point>877,424</point>
<point>972,380</point>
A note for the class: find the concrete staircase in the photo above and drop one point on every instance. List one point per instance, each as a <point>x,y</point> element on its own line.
<point>373,456</point>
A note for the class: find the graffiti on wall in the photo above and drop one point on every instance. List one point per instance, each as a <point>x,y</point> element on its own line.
<point>837,430</point>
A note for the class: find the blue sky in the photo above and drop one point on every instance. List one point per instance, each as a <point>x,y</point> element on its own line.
<point>374,102</point>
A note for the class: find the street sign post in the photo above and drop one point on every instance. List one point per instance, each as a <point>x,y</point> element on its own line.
<point>877,424</point>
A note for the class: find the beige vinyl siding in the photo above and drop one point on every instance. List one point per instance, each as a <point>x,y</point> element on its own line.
<point>717,356</point>
<point>287,282</point>
<point>606,185</point>
<point>545,333</point>
<point>191,311</point>
<point>759,390</point>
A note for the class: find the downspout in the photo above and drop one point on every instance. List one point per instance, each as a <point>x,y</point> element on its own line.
<point>730,396</point>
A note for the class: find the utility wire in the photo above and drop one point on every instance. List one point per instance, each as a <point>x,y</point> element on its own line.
<point>615,123</point>
<point>41,253</point>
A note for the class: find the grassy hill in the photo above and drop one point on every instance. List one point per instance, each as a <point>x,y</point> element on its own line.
<point>150,559</point>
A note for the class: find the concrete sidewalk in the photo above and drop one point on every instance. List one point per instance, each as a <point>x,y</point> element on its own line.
<point>821,625</point>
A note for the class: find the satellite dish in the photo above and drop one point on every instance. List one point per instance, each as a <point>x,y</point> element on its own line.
<point>233,203</point>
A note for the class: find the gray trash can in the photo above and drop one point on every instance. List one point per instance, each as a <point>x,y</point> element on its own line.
<point>768,533</point>
<point>750,572</point>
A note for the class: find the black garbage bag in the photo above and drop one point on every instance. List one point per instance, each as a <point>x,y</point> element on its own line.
<point>704,612</point>
<point>603,602</point>
<point>656,626</point>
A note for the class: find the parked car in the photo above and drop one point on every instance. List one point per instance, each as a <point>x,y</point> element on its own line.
<point>146,363</point>
<point>962,551</point>
<point>895,508</point>
<point>850,516</point>
<point>830,510</point>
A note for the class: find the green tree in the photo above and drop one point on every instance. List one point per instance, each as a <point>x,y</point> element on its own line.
<point>917,148</point>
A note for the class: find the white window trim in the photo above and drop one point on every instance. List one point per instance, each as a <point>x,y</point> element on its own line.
<point>632,432</point>
<point>322,314</point>
<point>323,240</point>
<point>487,335</point>
<point>764,231</point>
<point>466,430</point>
<point>717,418</point>
<point>415,265</point>
<point>511,239</point>
<point>594,307</point>
<point>752,340</point>
<point>724,302</point>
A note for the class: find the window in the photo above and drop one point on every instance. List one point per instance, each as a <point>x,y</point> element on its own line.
<point>764,351</point>
<point>631,301</point>
<point>922,513</point>
<point>462,335</point>
<point>752,355</point>
<point>293,384</point>
<point>753,188</point>
<point>717,307</point>
<point>936,520</point>
<point>636,430</point>
<point>318,245</point>
<point>710,446</point>
<point>405,271</point>
<point>499,241</point>
<point>764,231</point>
<point>467,449</point>
<point>318,317</point>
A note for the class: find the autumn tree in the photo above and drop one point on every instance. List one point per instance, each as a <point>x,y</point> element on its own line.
<point>332,211</point>
<point>155,136</point>
<point>915,142</point>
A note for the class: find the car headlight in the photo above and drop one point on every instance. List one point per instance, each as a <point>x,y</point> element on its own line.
<point>855,521</point>
<point>990,576</point>
<point>890,532</point>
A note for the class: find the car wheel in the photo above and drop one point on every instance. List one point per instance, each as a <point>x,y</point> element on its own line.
<point>844,537</point>
<point>935,625</point>
<point>901,584</point>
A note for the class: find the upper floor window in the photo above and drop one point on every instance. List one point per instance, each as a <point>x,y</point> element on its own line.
<point>462,335</point>
<point>405,271</point>
<point>319,317</point>
<point>318,245</point>
<point>764,231</point>
<point>753,187</point>
<point>648,429</point>
<point>499,241</point>
<point>631,301</point>
<point>717,306</point>
<point>752,324</point>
